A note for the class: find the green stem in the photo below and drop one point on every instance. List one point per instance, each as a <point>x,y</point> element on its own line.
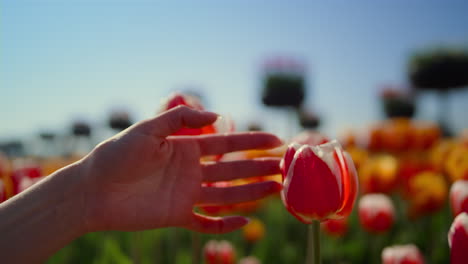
<point>313,247</point>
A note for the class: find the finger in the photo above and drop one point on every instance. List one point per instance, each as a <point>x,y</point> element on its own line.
<point>173,120</point>
<point>237,194</point>
<point>216,225</point>
<point>223,143</point>
<point>230,170</point>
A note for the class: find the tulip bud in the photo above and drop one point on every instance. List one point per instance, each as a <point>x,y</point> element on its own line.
<point>459,197</point>
<point>254,230</point>
<point>376,212</point>
<point>458,239</point>
<point>320,182</point>
<point>403,254</point>
<point>335,227</point>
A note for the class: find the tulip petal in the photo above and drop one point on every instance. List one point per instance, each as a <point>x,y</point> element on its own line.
<point>288,157</point>
<point>349,181</point>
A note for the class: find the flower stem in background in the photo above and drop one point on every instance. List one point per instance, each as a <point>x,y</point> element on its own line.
<point>313,247</point>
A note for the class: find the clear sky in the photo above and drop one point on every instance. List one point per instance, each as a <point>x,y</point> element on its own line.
<point>62,60</point>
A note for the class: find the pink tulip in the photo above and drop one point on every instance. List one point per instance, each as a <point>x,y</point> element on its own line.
<point>402,254</point>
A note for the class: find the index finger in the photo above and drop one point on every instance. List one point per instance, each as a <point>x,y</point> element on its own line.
<point>223,143</point>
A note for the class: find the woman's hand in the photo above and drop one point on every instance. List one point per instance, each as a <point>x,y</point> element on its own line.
<point>143,178</point>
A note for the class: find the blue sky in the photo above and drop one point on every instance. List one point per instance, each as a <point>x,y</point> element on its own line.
<point>66,60</point>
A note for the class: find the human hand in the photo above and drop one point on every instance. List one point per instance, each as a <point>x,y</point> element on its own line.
<point>143,178</point>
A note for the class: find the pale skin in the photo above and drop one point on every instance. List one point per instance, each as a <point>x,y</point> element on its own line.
<point>139,179</point>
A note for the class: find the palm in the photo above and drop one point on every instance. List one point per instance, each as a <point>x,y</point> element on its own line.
<point>155,181</point>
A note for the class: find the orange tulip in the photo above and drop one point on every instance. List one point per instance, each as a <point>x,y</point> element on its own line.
<point>458,239</point>
<point>459,197</point>
<point>426,192</point>
<point>335,227</point>
<point>320,182</point>
<point>402,254</point>
<point>376,213</point>
<point>379,174</point>
<point>254,230</point>
<point>456,165</point>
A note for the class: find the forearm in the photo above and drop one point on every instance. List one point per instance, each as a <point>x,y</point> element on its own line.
<point>43,219</point>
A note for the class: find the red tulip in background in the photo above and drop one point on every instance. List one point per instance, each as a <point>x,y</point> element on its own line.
<point>221,126</point>
<point>320,182</point>
<point>335,227</point>
<point>376,212</point>
<point>459,197</point>
<point>402,254</point>
<point>25,175</point>
<point>458,239</point>
<point>219,252</point>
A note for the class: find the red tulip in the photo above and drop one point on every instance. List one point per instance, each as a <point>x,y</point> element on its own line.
<point>320,182</point>
<point>219,252</point>
<point>376,212</point>
<point>25,175</point>
<point>335,227</point>
<point>458,239</point>
<point>403,254</point>
<point>459,197</point>
<point>176,99</point>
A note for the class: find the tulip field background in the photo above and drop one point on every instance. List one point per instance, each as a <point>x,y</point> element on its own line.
<point>388,80</point>
<point>284,242</point>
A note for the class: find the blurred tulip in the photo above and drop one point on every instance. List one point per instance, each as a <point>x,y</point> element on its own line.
<point>310,137</point>
<point>439,153</point>
<point>25,174</point>
<point>5,173</point>
<point>320,182</point>
<point>210,251</point>
<point>396,134</point>
<point>426,192</point>
<point>219,252</point>
<point>411,165</point>
<point>249,260</point>
<point>376,213</point>
<point>424,135</point>
<point>254,230</point>
<point>402,254</point>
<point>359,156</point>
<point>335,227</point>
<point>379,174</point>
<point>459,197</point>
<point>456,165</point>
<point>222,125</point>
<point>458,239</point>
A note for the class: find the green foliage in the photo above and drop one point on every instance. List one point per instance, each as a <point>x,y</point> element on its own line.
<point>284,242</point>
